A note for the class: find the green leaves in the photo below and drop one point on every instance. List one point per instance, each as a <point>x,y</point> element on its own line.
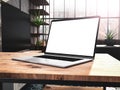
<point>110,35</point>
<point>37,20</point>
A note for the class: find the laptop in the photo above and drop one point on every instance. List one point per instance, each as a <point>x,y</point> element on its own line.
<point>70,42</point>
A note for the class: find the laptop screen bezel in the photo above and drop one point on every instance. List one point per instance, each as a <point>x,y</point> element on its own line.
<point>62,54</point>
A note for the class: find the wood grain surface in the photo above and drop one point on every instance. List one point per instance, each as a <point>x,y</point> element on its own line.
<point>57,87</point>
<point>91,71</point>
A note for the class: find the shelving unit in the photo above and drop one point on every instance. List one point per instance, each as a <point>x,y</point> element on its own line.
<point>39,2</point>
<point>42,11</point>
<point>38,32</point>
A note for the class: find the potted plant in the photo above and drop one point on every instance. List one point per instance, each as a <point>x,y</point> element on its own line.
<point>110,38</point>
<point>40,45</point>
<point>37,21</point>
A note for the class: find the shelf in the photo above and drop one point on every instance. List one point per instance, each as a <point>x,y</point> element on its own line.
<point>34,47</point>
<point>106,46</point>
<point>37,34</point>
<point>44,23</point>
<point>38,26</point>
<point>38,11</point>
<point>39,2</point>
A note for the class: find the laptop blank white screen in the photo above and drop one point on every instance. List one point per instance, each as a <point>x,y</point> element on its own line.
<point>76,37</point>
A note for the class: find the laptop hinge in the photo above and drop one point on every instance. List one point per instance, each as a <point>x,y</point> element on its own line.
<point>67,56</point>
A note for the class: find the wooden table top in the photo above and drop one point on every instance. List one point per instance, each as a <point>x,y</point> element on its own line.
<point>104,68</point>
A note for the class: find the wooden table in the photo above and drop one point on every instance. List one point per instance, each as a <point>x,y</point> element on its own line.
<point>103,71</point>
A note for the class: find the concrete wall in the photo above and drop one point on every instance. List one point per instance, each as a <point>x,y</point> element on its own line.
<point>23,5</point>
<point>14,3</point>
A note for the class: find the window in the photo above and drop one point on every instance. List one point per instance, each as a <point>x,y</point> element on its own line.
<point>109,10</point>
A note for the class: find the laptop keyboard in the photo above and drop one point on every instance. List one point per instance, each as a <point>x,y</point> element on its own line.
<point>58,58</point>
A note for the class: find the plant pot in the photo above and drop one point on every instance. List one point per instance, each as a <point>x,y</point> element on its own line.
<point>109,42</point>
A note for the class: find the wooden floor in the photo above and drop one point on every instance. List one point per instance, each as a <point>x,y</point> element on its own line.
<point>55,87</point>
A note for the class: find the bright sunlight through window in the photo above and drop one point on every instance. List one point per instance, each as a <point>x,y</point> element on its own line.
<point>109,10</point>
